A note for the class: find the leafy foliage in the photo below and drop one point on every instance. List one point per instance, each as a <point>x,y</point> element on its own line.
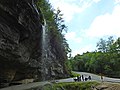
<point>74,85</point>
<point>55,25</point>
<point>106,60</point>
<point>73,74</point>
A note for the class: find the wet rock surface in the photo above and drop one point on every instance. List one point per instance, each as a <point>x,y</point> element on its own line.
<point>21,53</point>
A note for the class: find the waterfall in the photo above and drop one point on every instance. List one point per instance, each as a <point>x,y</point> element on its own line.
<point>44,51</point>
<point>44,35</point>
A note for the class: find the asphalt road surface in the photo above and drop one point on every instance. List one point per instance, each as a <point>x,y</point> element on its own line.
<point>94,78</point>
<point>98,77</point>
<point>38,84</point>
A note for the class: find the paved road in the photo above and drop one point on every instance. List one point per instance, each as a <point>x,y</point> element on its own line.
<point>94,78</point>
<point>38,84</point>
<point>97,77</point>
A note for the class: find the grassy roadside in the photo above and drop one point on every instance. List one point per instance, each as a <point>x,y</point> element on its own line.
<point>68,86</point>
<point>73,74</point>
<point>74,85</point>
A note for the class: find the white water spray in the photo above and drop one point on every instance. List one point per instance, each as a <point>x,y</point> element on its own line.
<point>44,50</point>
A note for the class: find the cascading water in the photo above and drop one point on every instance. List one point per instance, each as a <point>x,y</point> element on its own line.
<point>44,51</point>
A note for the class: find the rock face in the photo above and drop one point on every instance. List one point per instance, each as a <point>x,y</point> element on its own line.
<point>25,48</point>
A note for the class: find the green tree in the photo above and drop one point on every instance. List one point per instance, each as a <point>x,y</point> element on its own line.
<point>105,60</point>
<point>58,17</point>
<point>55,25</point>
<point>102,45</point>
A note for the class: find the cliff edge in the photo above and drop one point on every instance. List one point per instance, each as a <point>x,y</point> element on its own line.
<point>23,52</point>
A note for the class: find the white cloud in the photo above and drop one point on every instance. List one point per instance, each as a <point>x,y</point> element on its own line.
<point>89,47</point>
<point>70,35</point>
<point>75,52</point>
<point>73,37</point>
<point>117,1</point>
<point>107,24</point>
<point>84,49</point>
<point>67,9</point>
<point>71,7</point>
<point>96,1</point>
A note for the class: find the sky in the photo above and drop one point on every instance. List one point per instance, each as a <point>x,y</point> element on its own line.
<point>88,21</point>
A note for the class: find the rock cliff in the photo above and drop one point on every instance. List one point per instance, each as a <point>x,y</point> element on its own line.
<point>26,51</point>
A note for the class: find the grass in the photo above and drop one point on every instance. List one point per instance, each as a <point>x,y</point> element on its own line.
<point>73,74</point>
<point>45,87</point>
<point>68,86</point>
<point>74,86</point>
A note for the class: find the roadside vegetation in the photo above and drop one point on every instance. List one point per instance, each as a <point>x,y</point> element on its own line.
<point>73,74</point>
<point>74,85</point>
<point>68,86</point>
<point>104,60</point>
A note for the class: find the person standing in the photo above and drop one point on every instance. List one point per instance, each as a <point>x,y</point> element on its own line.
<point>101,77</point>
<point>82,77</point>
<point>89,77</point>
<point>79,78</point>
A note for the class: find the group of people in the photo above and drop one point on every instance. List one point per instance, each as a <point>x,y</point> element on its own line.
<point>82,78</point>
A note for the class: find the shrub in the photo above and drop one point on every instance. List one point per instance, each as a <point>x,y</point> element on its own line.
<point>74,85</point>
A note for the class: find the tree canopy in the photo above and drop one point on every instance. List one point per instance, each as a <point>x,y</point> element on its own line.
<point>55,25</point>
<point>105,60</point>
